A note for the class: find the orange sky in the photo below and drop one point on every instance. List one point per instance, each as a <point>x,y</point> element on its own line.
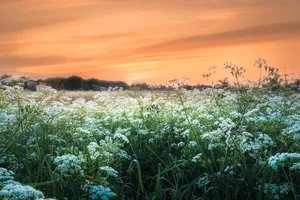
<point>146,40</point>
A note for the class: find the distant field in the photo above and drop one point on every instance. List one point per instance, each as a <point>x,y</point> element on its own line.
<point>214,144</point>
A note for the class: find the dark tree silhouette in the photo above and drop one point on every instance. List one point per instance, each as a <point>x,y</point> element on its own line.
<point>74,83</point>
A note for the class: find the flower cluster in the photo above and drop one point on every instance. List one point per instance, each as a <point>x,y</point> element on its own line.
<point>110,171</point>
<point>100,192</point>
<point>68,165</point>
<point>277,190</point>
<point>15,190</point>
<point>283,160</point>
<point>6,174</point>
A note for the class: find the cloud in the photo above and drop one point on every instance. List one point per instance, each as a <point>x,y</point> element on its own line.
<point>16,24</point>
<point>131,57</point>
<point>6,48</point>
<point>99,37</point>
<point>18,16</point>
<point>256,34</point>
<point>23,61</point>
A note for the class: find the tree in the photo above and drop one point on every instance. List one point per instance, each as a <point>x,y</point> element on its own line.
<point>295,85</point>
<point>4,76</point>
<point>88,84</point>
<point>140,86</point>
<point>74,83</point>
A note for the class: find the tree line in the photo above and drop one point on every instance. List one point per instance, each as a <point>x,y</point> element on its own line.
<point>78,83</point>
<point>93,84</point>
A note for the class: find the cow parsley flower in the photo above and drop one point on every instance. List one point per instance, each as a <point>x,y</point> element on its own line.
<point>6,174</point>
<point>15,190</point>
<point>68,164</point>
<point>33,155</point>
<point>235,114</point>
<point>3,160</point>
<point>276,190</point>
<point>255,143</point>
<point>282,159</point>
<point>110,171</point>
<point>197,157</point>
<point>180,144</point>
<point>121,137</point>
<point>185,133</point>
<point>100,192</point>
<point>295,167</point>
<point>142,132</point>
<point>192,144</point>
<point>93,149</point>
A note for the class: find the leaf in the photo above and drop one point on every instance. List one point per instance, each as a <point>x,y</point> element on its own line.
<point>41,183</point>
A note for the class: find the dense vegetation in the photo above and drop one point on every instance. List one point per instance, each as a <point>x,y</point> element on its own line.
<point>233,143</point>
<point>76,83</point>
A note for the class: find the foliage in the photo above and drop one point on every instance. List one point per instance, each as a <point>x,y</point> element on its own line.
<point>73,83</point>
<point>77,83</point>
<point>234,143</point>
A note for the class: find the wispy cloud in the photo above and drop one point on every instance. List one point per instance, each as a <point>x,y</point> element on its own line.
<point>22,61</point>
<point>261,33</point>
<point>15,22</point>
<point>99,37</point>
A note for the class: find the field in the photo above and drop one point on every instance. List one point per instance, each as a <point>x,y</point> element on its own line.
<point>211,144</point>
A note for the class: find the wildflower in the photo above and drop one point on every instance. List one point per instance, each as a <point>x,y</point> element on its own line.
<point>295,167</point>
<point>110,171</point>
<point>68,164</point>
<point>192,144</point>
<point>185,133</point>
<point>180,144</point>
<point>6,174</point>
<point>276,190</point>
<point>122,137</point>
<point>93,149</point>
<point>281,160</point>
<point>15,190</point>
<point>33,155</point>
<point>100,192</point>
<point>3,160</point>
<point>197,157</point>
<point>236,114</point>
<point>142,132</point>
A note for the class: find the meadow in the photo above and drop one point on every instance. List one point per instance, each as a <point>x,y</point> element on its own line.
<point>230,143</point>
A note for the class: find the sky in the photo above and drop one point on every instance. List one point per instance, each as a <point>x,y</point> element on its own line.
<point>147,40</point>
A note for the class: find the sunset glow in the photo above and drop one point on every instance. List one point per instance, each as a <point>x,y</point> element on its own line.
<point>152,41</point>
